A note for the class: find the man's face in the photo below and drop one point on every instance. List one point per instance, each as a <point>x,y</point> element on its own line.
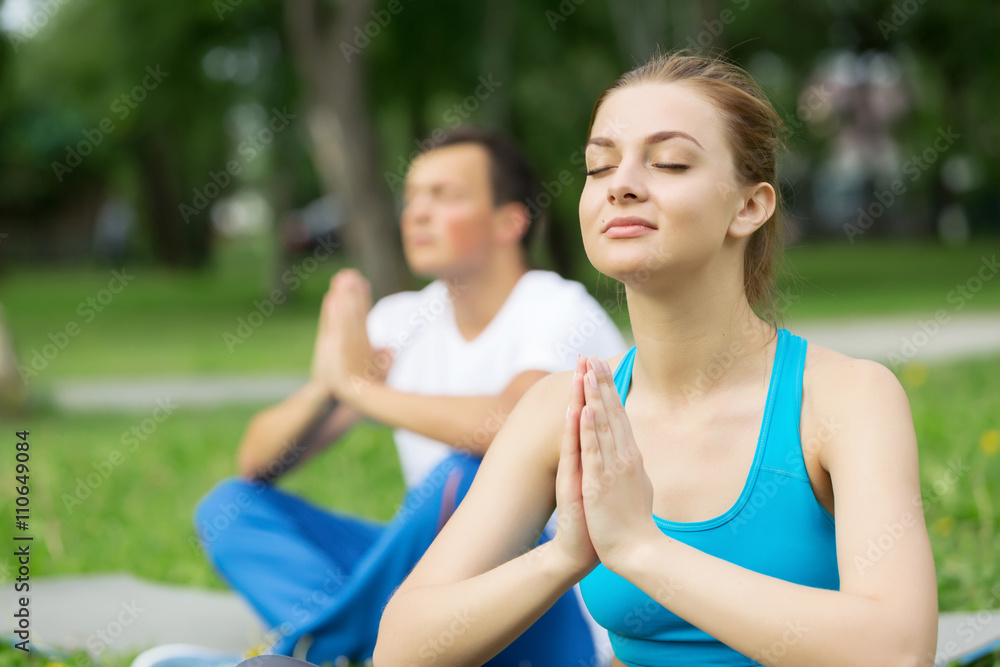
<point>448,213</point>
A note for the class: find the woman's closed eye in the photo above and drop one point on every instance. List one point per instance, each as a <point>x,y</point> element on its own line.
<point>676,167</point>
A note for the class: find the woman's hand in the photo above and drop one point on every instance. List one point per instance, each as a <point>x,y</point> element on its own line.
<point>571,535</point>
<point>344,362</point>
<point>617,492</point>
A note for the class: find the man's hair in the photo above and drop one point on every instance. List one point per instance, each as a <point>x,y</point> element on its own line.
<point>512,178</point>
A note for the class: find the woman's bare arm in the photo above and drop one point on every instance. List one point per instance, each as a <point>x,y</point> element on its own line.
<point>481,584</point>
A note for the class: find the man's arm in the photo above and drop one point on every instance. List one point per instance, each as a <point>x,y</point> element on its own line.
<point>285,435</point>
<point>464,422</point>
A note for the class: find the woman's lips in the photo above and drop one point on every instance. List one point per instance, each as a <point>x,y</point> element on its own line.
<point>626,227</point>
<point>627,231</point>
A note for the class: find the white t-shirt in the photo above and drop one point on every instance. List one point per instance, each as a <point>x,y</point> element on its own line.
<point>544,323</point>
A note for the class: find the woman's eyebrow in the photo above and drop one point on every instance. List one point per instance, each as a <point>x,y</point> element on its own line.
<point>599,141</point>
<point>657,137</point>
<point>654,138</point>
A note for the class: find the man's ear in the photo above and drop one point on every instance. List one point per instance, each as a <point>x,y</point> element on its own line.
<point>511,222</point>
<point>759,202</point>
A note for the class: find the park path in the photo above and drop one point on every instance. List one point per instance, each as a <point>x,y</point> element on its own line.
<point>131,614</point>
<point>121,613</point>
<point>890,340</point>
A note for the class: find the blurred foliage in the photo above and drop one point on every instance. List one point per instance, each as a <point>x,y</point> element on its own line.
<point>546,60</point>
<point>88,70</point>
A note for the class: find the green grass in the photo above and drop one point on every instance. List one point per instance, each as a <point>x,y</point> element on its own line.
<point>164,322</point>
<point>167,323</point>
<point>136,516</point>
<point>956,416</point>
<point>880,278</point>
<point>10,657</point>
<point>144,506</point>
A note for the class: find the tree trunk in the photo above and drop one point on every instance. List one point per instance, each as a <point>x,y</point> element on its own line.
<point>343,148</point>
<point>174,242</point>
<point>13,393</point>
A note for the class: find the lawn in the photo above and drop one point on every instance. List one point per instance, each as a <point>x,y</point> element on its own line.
<point>165,323</point>
<point>144,505</point>
<point>94,510</point>
<point>872,279</point>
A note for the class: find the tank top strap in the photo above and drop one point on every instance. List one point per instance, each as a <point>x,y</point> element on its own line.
<point>784,447</point>
<point>623,374</point>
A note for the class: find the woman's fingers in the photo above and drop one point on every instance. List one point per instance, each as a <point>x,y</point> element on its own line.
<point>599,411</point>
<point>616,490</point>
<point>571,433</point>
<point>610,432</point>
<point>614,412</point>
<point>572,527</point>
<point>325,324</point>
<point>591,453</point>
<point>576,398</point>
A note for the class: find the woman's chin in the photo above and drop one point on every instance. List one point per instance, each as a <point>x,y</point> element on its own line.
<point>629,266</point>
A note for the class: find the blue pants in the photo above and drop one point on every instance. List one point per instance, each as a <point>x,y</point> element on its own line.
<point>324,578</point>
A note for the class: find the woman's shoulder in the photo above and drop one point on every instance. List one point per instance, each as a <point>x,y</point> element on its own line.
<point>539,415</point>
<point>829,371</point>
<point>552,391</point>
<point>554,387</point>
<point>542,408</point>
<point>841,394</point>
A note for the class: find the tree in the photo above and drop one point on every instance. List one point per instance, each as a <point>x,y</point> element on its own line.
<point>329,55</point>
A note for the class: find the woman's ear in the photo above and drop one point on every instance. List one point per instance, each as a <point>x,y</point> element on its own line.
<point>758,206</point>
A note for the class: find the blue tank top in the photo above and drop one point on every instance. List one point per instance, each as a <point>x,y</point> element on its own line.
<point>776,527</point>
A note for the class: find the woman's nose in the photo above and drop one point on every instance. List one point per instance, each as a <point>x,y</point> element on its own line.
<point>627,184</point>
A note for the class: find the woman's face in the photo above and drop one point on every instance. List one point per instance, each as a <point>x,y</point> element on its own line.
<point>660,192</point>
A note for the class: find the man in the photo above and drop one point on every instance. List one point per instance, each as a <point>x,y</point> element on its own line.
<point>443,366</point>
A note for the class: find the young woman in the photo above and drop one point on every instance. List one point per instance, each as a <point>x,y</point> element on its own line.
<point>697,476</point>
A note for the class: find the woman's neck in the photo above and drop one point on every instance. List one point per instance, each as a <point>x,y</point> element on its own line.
<point>690,342</point>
